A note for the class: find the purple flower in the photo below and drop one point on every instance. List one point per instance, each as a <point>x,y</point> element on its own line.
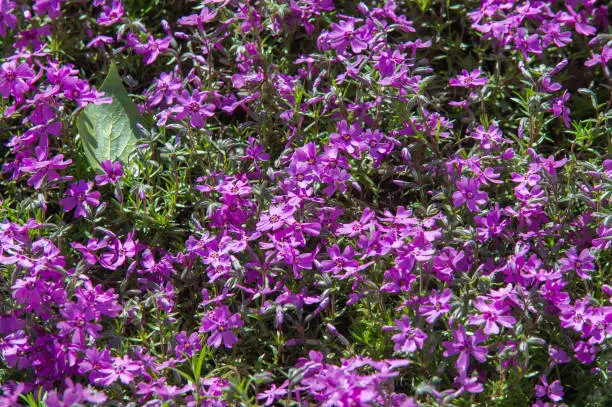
<point>409,339</point>
<point>112,172</point>
<point>491,225</point>
<point>469,194</point>
<point>273,393</point>
<point>122,368</point>
<point>187,346</point>
<point>118,252</point>
<point>198,19</point>
<point>99,41</point>
<point>93,362</point>
<point>220,322</point>
<point>275,217</point>
<point>15,79</point>
<point>340,262</point>
<point>81,198</point>
<point>559,109</point>
<point>489,139</point>
<point>166,88</point>
<point>553,391</point>
<point>466,345</point>
<point>152,48</point>
<point>491,315</point>
<point>78,321</point>
<point>74,395</point>
<point>435,305</point>
<point>583,263</point>
<point>603,58</point>
<point>7,19</point>
<point>553,33</point>
<point>356,227</point>
<point>344,34</point>
<point>557,356</point>
<point>195,107</point>
<point>469,79</point>
<point>111,15</point>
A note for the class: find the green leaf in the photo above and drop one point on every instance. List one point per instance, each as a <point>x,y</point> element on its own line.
<point>108,131</point>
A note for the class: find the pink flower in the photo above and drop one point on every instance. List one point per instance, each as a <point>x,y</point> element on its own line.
<point>466,345</point>
<point>469,194</point>
<point>81,198</point>
<point>409,339</point>
<point>112,172</point>
<point>553,391</point>
<point>15,79</point>
<point>219,323</point>
<point>436,305</point>
<point>469,79</point>
<point>583,263</point>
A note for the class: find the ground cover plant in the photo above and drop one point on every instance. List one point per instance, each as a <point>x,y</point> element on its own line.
<point>305,202</point>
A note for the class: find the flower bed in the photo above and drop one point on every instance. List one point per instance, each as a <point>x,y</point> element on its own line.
<point>303,203</point>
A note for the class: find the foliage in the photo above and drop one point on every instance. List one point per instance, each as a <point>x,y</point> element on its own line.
<point>305,203</point>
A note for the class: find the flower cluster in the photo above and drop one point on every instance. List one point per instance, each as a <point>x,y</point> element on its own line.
<point>312,203</point>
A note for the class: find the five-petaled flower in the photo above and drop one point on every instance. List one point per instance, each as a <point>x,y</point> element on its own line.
<point>81,198</point>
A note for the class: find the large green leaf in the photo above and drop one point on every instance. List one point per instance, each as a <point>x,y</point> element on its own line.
<point>108,131</point>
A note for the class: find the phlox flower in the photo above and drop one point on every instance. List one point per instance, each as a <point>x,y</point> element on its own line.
<point>81,198</point>
<point>219,323</point>
<point>469,194</point>
<point>553,391</point>
<point>466,345</point>
<point>469,79</point>
<point>112,172</point>
<point>409,339</point>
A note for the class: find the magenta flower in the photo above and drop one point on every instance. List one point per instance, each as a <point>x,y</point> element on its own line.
<point>603,58</point>
<point>409,339</point>
<point>356,227</point>
<point>93,362</point>
<point>469,194</point>
<point>198,19</point>
<point>122,368</point>
<point>273,393</point>
<point>469,79</point>
<point>574,317</point>
<point>219,323</point>
<point>340,262</point>
<point>111,15</point>
<point>435,305</point>
<point>491,315</point>
<point>489,139</point>
<point>559,109</point>
<point>152,48</point>
<point>78,321</point>
<point>194,107</point>
<point>42,168</point>
<point>344,34</point>
<point>557,356</point>
<point>187,346</point>
<point>553,391</point>
<point>99,41</point>
<point>7,19</point>
<point>118,252</point>
<point>112,172</point>
<point>466,345</point>
<point>491,225</point>
<point>583,263</point>
<point>166,88</point>
<point>15,79</point>
<point>275,217</point>
<point>554,34</point>
<point>74,395</point>
<point>81,198</point>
